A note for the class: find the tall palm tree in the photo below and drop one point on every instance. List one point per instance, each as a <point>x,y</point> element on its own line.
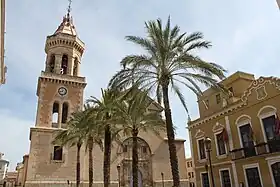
<point>73,136</point>
<point>106,108</point>
<point>94,135</point>
<point>133,116</point>
<point>168,62</point>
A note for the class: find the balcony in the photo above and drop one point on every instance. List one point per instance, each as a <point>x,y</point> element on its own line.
<point>271,146</point>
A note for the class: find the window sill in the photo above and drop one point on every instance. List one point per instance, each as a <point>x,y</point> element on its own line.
<point>57,161</point>
<point>222,156</point>
<point>202,160</point>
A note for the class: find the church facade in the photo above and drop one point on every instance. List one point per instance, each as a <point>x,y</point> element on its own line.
<point>60,92</point>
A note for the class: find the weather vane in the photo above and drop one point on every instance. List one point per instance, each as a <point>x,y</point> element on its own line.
<point>69,6</point>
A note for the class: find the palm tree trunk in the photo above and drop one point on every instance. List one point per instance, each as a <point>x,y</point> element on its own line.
<point>78,166</point>
<point>107,156</point>
<point>135,158</point>
<point>171,138</point>
<point>90,161</point>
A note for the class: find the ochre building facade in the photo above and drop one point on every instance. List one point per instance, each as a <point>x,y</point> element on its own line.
<point>243,128</point>
<point>60,92</point>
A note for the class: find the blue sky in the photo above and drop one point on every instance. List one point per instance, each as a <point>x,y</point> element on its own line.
<point>245,36</point>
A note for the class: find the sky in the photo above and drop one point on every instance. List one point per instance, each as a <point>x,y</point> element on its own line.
<point>244,34</point>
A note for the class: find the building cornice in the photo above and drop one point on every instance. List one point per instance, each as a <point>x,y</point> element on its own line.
<point>61,79</point>
<point>216,115</point>
<point>242,102</point>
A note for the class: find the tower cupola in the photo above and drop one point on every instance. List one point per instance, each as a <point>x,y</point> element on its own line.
<point>64,49</point>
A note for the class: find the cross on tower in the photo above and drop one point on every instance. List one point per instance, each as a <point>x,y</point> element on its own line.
<point>69,7</point>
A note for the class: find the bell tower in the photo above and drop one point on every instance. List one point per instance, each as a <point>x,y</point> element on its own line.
<point>60,92</point>
<point>60,86</point>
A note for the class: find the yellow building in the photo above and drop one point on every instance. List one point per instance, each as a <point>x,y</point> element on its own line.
<point>242,130</point>
<point>2,34</point>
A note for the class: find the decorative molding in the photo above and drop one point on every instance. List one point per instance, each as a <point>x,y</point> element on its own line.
<point>261,93</point>
<point>216,115</point>
<point>217,127</point>
<point>199,134</point>
<point>259,83</point>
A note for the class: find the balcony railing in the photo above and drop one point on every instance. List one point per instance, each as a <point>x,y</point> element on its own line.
<point>270,146</point>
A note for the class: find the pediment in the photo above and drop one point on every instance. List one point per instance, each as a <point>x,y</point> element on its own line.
<point>199,133</point>
<point>217,127</point>
<point>261,88</point>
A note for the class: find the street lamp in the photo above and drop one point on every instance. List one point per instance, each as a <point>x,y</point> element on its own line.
<point>162,179</point>
<point>119,174</point>
<point>208,141</point>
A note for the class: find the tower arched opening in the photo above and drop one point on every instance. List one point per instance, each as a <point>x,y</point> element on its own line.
<point>64,64</point>
<point>55,114</point>
<point>52,64</point>
<point>75,68</point>
<point>65,108</point>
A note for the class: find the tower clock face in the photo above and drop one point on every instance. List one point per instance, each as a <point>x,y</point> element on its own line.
<point>62,91</point>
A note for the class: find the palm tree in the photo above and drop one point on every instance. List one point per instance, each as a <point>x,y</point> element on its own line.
<point>94,135</point>
<point>73,136</point>
<point>106,109</point>
<point>169,61</point>
<point>133,116</point>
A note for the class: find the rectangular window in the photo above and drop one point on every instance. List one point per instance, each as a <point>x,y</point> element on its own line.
<point>201,146</point>
<point>246,134</point>
<point>192,175</point>
<point>225,177</point>
<point>205,180</point>
<point>221,144</point>
<point>189,175</point>
<point>253,177</point>
<point>144,149</point>
<point>57,153</point>
<point>188,164</point>
<point>230,92</point>
<point>125,148</point>
<point>218,98</point>
<point>270,128</point>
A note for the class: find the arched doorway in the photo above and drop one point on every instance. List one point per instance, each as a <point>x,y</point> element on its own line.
<point>140,179</point>
<point>144,163</point>
<point>276,173</point>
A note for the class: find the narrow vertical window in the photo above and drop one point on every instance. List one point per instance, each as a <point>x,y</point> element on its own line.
<point>75,68</point>
<point>55,110</point>
<point>205,180</point>
<point>225,176</point>
<point>64,112</point>
<point>52,63</point>
<point>57,153</point>
<point>125,148</point>
<point>221,144</point>
<point>201,149</point>
<point>64,64</point>
<point>231,92</point>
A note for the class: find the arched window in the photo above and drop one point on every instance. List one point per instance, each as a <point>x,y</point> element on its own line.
<point>64,64</point>
<point>75,68</point>
<point>144,151</point>
<point>52,63</point>
<point>55,114</point>
<point>64,112</point>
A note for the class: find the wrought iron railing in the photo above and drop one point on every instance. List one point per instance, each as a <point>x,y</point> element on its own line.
<point>270,146</point>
